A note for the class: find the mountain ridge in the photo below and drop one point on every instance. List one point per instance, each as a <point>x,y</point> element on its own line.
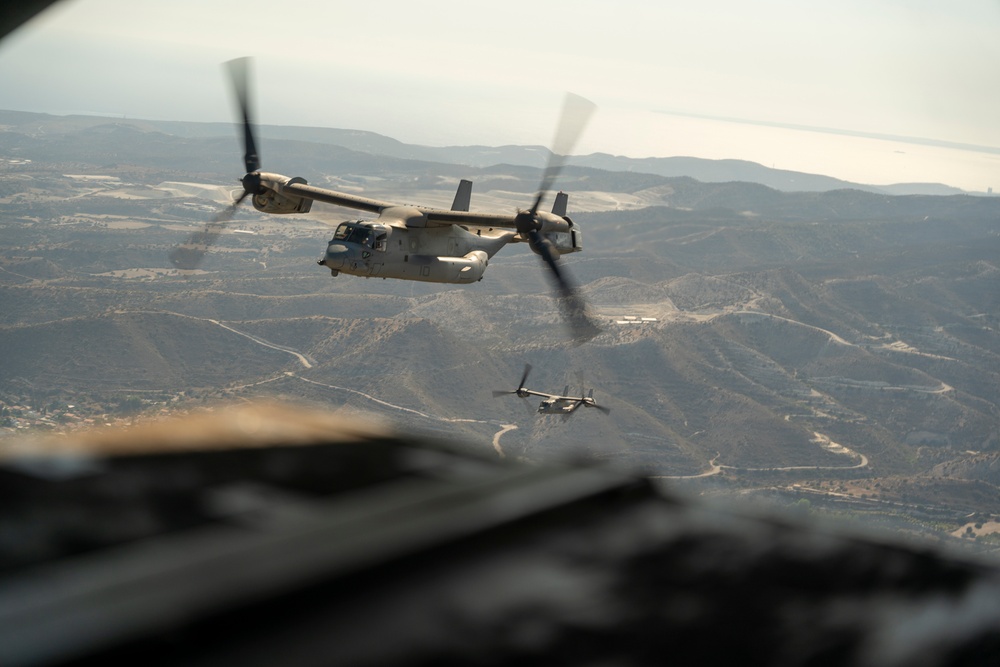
<point>702,169</point>
<point>837,340</point>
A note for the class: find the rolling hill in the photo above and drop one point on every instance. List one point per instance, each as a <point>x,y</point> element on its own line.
<point>842,337</point>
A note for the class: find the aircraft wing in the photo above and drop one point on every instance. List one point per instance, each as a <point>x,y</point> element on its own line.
<point>541,394</point>
<point>442,217</point>
<point>292,188</point>
<point>329,196</point>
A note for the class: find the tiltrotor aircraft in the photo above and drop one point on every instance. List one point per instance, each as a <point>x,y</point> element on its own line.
<point>553,404</point>
<point>415,242</point>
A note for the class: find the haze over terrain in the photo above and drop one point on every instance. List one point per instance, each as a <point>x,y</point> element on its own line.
<point>832,348</point>
<point>868,92</point>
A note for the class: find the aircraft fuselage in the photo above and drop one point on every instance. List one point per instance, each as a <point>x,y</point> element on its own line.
<point>556,406</point>
<point>444,254</point>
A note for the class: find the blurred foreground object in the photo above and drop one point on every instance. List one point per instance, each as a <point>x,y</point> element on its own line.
<point>266,535</point>
<point>15,13</point>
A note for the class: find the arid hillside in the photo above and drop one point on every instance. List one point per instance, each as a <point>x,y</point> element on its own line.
<point>753,341</point>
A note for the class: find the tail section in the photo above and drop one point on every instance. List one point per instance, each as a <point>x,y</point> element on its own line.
<point>463,197</point>
<point>559,205</point>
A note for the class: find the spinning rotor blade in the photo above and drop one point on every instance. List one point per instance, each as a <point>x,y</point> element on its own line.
<point>524,378</point>
<point>575,115</point>
<point>520,385</point>
<point>189,254</point>
<point>524,399</point>
<point>239,76</point>
<point>517,392</point>
<point>588,399</point>
<point>581,324</point>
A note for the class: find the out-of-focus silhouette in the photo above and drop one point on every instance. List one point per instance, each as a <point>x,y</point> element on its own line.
<point>267,534</point>
<point>18,12</point>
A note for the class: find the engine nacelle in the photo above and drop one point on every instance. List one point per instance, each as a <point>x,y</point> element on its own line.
<point>551,223</point>
<point>560,233</point>
<point>568,242</point>
<point>271,201</point>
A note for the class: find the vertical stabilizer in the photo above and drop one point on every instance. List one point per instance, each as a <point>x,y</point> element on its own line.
<point>463,197</point>
<point>559,205</point>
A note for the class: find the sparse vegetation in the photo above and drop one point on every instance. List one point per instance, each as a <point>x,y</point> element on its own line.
<point>838,341</point>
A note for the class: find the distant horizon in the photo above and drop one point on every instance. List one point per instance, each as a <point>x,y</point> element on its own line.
<point>922,141</point>
<point>934,149</point>
<point>833,87</point>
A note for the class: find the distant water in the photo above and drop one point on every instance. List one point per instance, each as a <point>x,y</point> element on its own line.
<point>650,134</point>
<point>855,159</point>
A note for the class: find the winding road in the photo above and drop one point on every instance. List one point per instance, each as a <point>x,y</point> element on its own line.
<point>715,468</point>
<point>498,434</point>
<point>303,359</point>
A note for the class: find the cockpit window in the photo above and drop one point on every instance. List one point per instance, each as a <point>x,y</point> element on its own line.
<point>352,233</point>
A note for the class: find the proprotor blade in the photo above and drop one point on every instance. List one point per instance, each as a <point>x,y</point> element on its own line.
<point>576,114</point>
<point>188,255</point>
<point>524,378</point>
<point>582,325</point>
<point>542,246</point>
<point>239,69</point>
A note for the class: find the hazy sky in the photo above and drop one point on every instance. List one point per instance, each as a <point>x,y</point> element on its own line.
<point>663,74</point>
